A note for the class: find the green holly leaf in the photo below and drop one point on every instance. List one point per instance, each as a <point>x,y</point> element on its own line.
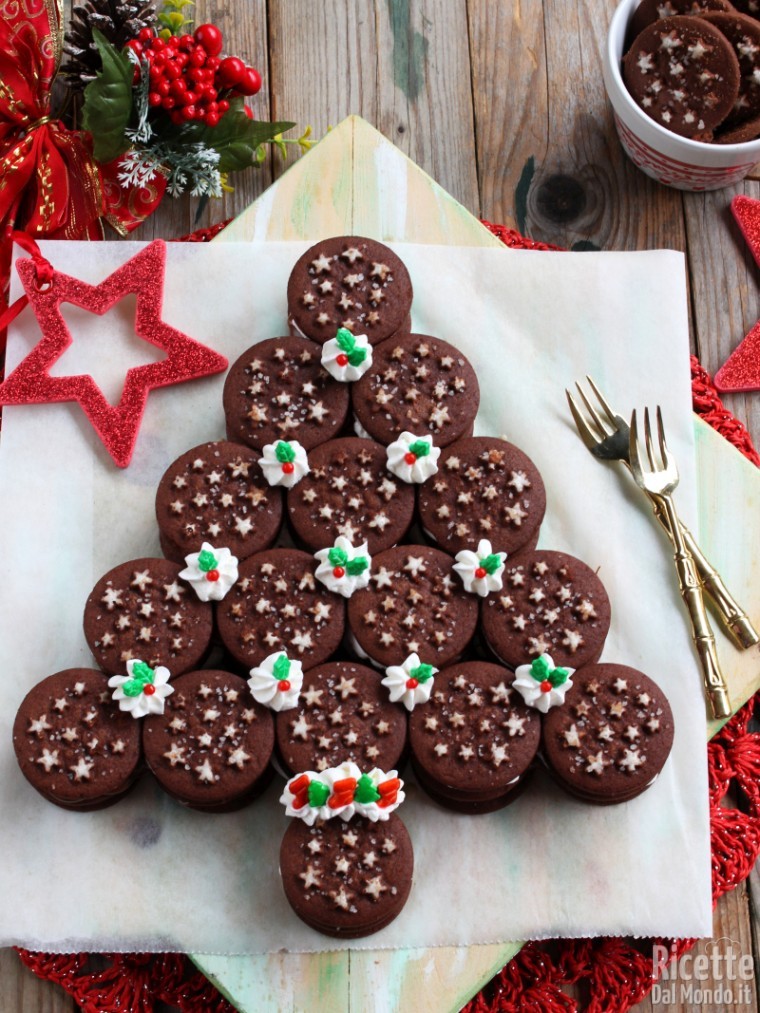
<point>142,675</point>
<point>108,101</point>
<point>420,448</point>
<point>284,452</point>
<point>337,557</point>
<point>357,565</point>
<point>539,669</point>
<point>422,672</point>
<point>207,561</point>
<point>558,676</point>
<point>236,137</point>
<point>318,793</point>
<point>366,791</point>
<point>345,339</point>
<point>357,356</point>
<point>491,563</point>
<point>281,667</point>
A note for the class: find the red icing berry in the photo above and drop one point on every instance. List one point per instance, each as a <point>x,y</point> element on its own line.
<point>410,458</point>
<point>480,573</point>
<point>212,575</point>
<point>288,468</point>
<point>283,686</point>
<point>412,683</point>
<point>339,572</point>
<point>545,686</point>
<point>149,689</point>
<point>342,359</point>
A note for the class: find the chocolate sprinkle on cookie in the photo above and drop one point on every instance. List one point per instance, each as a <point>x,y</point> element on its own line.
<point>347,879</point>
<point>144,610</point>
<point>352,282</point>
<point>278,390</point>
<point>73,744</point>
<point>683,73</point>
<point>551,603</point>
<point>612,735</point>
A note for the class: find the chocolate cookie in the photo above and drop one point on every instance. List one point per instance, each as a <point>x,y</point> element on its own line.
<point>417,384</point>
<point>211,747</point>
<point>352,282</point>
<point>144,610</point>
<point>650,11</point>
<point>347,879</point>
<point>73,744</point>
<point>474,740</point>
<point>743,33</point>
<point>278,390</point>
<point>343,713</point>
<point>611,737</point>
<point>278,605</point>
<point>749,7</point>
<point>485,488</point>
<point>217,493</point>
<point>551,603</point>
<point>683,73</point>
<point>350,492</point>
<point>413,604</point>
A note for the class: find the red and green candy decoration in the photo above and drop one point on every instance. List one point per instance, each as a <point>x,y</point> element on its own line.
<point>351,354</point>
<point>342,565</point>
<point>421,674</point>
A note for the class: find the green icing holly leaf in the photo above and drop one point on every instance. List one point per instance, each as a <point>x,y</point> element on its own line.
<point>207,561</point>
<point>420,448</point>
<point>345,339</point>
<point>108,101</point>
<point>281,667</point>
<point>142,675</point>
<point>491,563</point>
<point>422,672</point>
<point>539,669</point>
<point>357,357</point>
<point>366,791</point>
<point>337,557</point>
<point>284,453</point>
<point>356,566</point>
<point>318,793</point>
<point>558,676</point>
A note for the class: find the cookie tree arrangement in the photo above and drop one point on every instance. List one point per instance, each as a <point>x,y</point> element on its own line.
<point>403,611</point>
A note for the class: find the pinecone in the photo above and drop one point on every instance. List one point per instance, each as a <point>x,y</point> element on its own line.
<point>118,20</point>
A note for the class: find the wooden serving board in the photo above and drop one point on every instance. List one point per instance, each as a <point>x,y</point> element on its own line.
<point>356,182</point>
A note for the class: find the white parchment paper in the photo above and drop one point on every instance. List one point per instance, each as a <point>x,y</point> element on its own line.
<point>146,874</point>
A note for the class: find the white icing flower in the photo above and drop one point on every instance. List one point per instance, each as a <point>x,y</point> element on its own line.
<point>388,785</point>
<point>210,572</point>
<point>480,571</point>
<point>284,463</point>
<point>541,685</point>
<point>306,795</point>
<point>347,356</point>
<point>343,568</point>
<point>413,458</point>
<point>410,683</point>
<point>277,681</point>
<point>143,690</point>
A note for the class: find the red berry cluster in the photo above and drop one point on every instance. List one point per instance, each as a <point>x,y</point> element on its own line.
<point>187,77</point>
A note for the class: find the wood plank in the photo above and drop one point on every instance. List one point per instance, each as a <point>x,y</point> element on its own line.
<point>21,991</point>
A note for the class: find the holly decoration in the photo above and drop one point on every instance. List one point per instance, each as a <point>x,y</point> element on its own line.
<point>286,455</point>
<point>143,678</point>
<point>420,448</point>
<point>281,671</point>
<point>488,566</point>
<point>546,676</point>
<point>208,563</point>
<point>418,675</point>
<point>342,565</point>
<point>350,355</point>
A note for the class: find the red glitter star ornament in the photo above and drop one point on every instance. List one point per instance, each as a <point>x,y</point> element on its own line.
<point>116,425</point>
<point>741,371</point>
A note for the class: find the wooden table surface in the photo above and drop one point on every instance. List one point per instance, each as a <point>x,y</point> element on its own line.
<point>503,104</point>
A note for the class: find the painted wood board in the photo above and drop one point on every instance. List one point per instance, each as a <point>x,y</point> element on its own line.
<point>355,181</point>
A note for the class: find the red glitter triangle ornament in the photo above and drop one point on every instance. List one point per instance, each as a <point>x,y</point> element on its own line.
<point>741,370</point>
<point>143,276</point>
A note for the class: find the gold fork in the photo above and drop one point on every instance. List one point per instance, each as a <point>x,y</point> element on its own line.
<point>607,436</point>
<point>659,477</point>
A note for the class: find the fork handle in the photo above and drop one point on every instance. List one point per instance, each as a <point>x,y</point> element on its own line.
<point>702,634</point>
<point>732,616</point>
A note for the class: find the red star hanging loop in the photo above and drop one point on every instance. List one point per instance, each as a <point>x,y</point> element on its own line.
<point>741,371</point>
<point>117,426</point>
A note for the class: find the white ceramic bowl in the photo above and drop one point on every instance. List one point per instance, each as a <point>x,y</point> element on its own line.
<point>670,159</point>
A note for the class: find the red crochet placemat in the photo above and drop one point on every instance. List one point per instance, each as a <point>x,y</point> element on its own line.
<point>615,973</point>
